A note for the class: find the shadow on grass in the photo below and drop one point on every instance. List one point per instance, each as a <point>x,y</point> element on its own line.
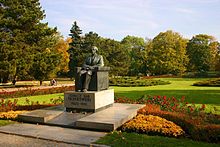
<point>192,96</point>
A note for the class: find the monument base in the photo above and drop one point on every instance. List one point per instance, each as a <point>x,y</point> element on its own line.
<point>91,101</point>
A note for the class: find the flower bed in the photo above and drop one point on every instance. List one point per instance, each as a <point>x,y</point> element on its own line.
<point>11,115</point>
<point>155,125</point>
<point>29,91</point>
<point>196,124</point>
<point>8,105</point>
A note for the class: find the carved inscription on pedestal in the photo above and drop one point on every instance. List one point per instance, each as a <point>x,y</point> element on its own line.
<point>88,100</point>
<point>79,100</point>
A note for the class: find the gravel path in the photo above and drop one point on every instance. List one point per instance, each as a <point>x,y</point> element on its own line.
<point>7,140</point>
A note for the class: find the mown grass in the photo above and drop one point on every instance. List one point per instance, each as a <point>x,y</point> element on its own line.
<point>38,98</point>
<point>6,122</point>
<point>118,139</point>
<point>179,87</point>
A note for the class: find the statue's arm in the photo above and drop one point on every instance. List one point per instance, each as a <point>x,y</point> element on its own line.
<point>101,61</point>
<point>86,64</point>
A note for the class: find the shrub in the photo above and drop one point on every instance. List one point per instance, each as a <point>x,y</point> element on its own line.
<point>215,83</point>
<point>134,81</point>
<point>155,125</point>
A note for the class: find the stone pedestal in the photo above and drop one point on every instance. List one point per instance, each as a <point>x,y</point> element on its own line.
<point>91,101</point>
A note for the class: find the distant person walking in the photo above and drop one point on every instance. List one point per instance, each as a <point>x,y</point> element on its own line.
<point>53,82</point>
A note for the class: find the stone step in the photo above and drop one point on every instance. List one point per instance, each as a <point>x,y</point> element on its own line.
<point>110,118</point>
<point>41,115</point>
<point>53,133</point>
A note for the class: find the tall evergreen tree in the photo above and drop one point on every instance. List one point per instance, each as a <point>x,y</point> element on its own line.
<point>21,36</point>
<point>75,50</point>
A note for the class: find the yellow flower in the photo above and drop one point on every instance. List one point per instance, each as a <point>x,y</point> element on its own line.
<point>155,124</point>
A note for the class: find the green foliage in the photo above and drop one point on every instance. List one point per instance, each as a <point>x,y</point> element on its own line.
<point>214,82</point>
<point>75,51</point>
<point>91,39</point>
<point>202,52</point>
<point>167,54</point>
<point>134,81</point>
<point>22,36</point>
<point>123,139</point>
<point>44,64</point>
<point>135,47</point>
<point>6,122</point>
<point>115,56</point>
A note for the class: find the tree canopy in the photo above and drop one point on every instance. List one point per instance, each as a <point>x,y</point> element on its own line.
<point>201,49</point>
<point>23,37</point>
<point>168,54</point>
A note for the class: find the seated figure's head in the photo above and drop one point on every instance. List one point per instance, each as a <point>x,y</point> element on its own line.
<point>94,49</point>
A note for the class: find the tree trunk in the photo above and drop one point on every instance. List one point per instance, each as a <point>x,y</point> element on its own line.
<point>41,82</point>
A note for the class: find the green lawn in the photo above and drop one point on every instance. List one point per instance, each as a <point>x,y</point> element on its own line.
<point>40,98</point>
<point>179,87</point>
<point>116,139</point>
<point>6,122</point>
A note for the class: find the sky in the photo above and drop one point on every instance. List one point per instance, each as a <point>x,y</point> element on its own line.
<point>116,19</point>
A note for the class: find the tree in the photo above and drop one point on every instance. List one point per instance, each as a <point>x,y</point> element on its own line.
<point>91,39</point>
<point>21,36</point>
<point>202,52</point>
<point>115,56</point>
<point>46,58</point>
<point>168,54</point>
<point>75,51</point>
<point>135,47</point>
<point>214,48</point>
<point>44,64</point>
<point>62,49</point>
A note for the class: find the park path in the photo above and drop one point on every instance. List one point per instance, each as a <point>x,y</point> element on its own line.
<point>9,140</point>
<point>34,135</point>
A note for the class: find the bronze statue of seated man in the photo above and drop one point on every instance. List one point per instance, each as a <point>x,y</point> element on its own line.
<point>91,62</point>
